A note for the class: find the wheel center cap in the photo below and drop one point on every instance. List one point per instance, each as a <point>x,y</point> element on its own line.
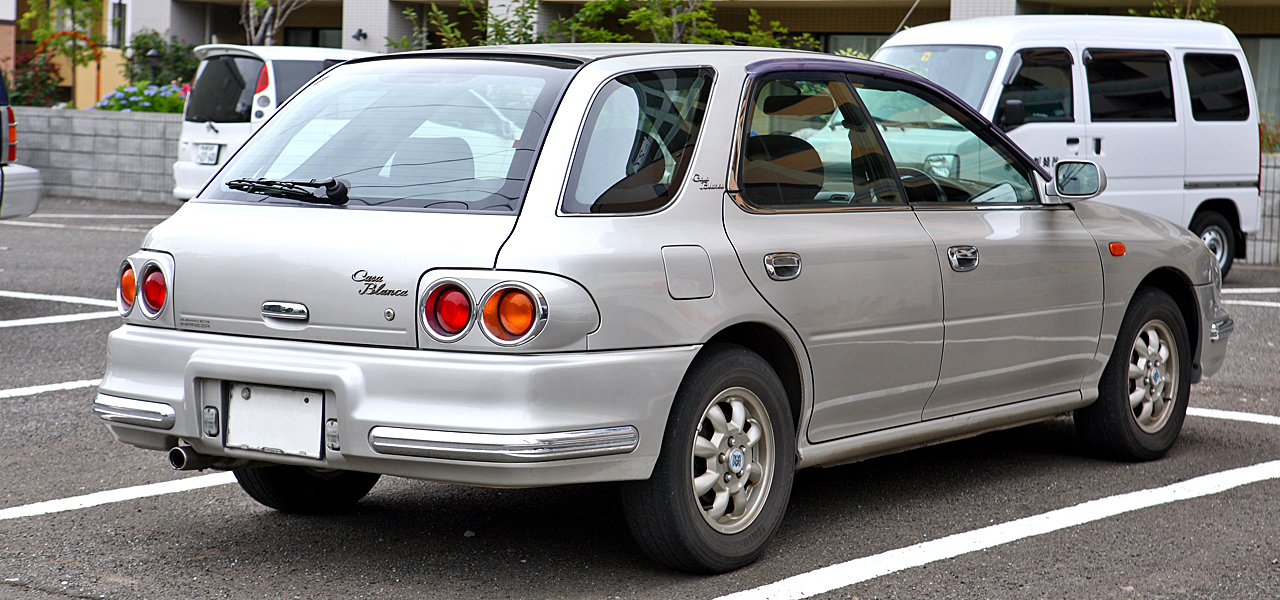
<point>737,460</point>
<point>1155,377</point>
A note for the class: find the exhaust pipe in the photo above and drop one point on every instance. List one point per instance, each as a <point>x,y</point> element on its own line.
<point>185,458</point>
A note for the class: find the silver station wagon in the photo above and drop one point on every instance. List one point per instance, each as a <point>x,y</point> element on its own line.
<point>689,269</point>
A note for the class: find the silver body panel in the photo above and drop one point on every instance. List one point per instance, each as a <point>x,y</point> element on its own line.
<point>21,193</point>
<point>890,348</point>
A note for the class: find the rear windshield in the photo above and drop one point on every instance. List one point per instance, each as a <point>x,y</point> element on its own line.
<point>223,92</point>
<point>4,92</point>
<point>964,70</point>
<point>420,133</point>
<point>293,74</point>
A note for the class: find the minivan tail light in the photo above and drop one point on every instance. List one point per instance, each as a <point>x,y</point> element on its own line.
<point>12,154</point>
<point>126,289</point>
<point>446,311</point>
<point>513,313</point>
<point>264,80</point>
<point>154,290</point>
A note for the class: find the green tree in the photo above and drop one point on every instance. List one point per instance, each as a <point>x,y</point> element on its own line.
<point>34,81</point>
<point>263,18</point>
<point>174,60</point>
<point>54,16</point>
<point>1196,10</point>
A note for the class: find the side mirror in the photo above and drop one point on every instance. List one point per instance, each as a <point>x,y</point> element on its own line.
<point>1014,114</point>
<point>1075,180</point>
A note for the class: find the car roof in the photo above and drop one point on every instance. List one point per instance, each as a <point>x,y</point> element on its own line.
<point>591,52</point>
<point>1093,30</point>
<point>278,52</point>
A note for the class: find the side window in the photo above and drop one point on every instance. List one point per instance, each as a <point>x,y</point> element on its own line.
<point>943,155</point>
<point>810,145</point>
<point>637,142</point>
<point>1041,79</point>
<point>1129,85</point>
<point>1216,83</point>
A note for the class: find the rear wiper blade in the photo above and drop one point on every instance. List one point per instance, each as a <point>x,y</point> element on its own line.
<point>316,191</point>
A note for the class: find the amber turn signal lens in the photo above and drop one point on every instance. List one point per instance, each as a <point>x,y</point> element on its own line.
<point>1117,249</point>
<point>154,289</point>
<point>510,314</point>
<point>128,288</point>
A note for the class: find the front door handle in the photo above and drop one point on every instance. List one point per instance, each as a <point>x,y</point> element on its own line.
<point>782,266</point>
<point>963,258</point>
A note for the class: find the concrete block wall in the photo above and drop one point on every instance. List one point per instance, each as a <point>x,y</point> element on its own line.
<point>103,155</point>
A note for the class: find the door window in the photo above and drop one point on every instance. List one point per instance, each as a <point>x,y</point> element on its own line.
<point>638,142</point>
<point>1041,79</point>
<point>1216,83</point>
<point>1129,85</point>
<point>809,145</point>
<point>941,153</point>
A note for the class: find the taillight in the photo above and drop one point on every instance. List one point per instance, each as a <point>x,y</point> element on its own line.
<point>447,311</point>
<point>12,154</point>
<point>264,80</point>
<point>126,289</point>
<point>513,313</point>
<point>154,290</point>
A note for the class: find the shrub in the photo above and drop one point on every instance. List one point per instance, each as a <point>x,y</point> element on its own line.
<point>145,97</point>
<point>35,81</point>
<point>1269,133</point>
<point>175,62</point>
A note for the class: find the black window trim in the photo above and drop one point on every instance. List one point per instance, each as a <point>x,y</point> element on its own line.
<point>1087,58</point>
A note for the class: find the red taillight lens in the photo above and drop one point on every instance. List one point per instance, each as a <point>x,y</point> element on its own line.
<point>12,154</point>
<point>128,289</point>
<point>264,79</point>
<point>154,289</point>
<point>447,311</point>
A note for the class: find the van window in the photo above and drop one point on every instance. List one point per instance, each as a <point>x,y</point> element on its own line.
<point>223,92</point>
<point>1042,82</point>
<point>293,74</point>
<point>1216,83</point>
<point>637,142</point>
<point>1129,85</point>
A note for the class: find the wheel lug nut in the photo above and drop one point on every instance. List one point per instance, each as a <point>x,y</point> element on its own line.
<point>722,458</point>
<point>727,477</point>
<point>732,443</point>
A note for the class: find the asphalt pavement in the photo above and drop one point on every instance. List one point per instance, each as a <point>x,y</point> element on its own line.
<point>1023,513</point>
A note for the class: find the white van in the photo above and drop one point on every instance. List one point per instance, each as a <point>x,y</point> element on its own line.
<point>236,88</point>
<point>1166,106</point>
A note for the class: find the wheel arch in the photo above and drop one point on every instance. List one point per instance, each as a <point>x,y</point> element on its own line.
<point>773,347</point>
<point>1227,208</point>
<point>1179,287</point>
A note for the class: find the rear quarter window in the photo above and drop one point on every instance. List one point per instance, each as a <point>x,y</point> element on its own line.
<point>291,75</point>
<point>1129,85</point>
<point>1216,84</point>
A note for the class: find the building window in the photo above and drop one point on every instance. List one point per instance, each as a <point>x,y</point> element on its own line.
<point>119,25</point>
<point>858,45</point>
<point>316,37</point>
<point>1263,55</point>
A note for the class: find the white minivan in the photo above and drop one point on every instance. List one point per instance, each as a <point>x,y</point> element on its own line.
<point>1166,106</point>
<point>236,88</point>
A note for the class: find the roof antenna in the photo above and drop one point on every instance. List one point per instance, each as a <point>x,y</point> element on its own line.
<point>904,19</point>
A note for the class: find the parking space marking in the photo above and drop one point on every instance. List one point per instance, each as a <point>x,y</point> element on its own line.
<point>1252,303</point>
<point>93,216</point>
<point>57,298</point>
<point>120,495</point>
<point>52,387</point>
<point>858,570</point>
<point>62,226</point>
<point>59,319</point>
<point>1232,415</point>
<point>1251,290</point>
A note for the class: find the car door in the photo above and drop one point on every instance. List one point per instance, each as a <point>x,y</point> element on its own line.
<point>822,231</point>
<point>1135,132</point>
<point>1045,81</point>
<point>1022,281</point>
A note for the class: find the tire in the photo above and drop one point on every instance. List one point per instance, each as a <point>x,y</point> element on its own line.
<point>302,490</point>
<point>729,393</point>
<point>1142,402</point>
<point>1218,234</point>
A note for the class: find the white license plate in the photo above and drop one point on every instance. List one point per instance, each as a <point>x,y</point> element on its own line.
<point>207,154</point>
<point>275,420</point>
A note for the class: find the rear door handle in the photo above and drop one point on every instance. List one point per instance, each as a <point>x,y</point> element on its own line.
<point>782,266</point>
<point>1073,141</point>
<point>963,258</point>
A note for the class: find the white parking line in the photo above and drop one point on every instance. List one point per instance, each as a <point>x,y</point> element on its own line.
<point>93,216</point>
<point>57,298</point>
<point>61,226</point>
<point>1251,290</point>
<point>1232,415</point>
<point>59,319</point>
<point>52,387</point>
<point>120,495</point>
<point>855,571</point>
<point>1252,303</point>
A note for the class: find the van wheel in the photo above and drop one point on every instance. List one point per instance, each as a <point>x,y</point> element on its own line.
<point>1218,234</point>
<point>720,487</point>
<point>1142,398</point>
<point>303,490</point>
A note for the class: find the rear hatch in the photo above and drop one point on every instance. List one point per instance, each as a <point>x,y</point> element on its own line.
<point>355,272</point>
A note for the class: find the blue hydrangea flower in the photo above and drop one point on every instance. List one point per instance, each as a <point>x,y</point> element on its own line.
<point>146,104</point>
<point>131,89</point>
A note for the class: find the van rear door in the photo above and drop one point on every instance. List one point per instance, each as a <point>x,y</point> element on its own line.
<point>1222,131</point>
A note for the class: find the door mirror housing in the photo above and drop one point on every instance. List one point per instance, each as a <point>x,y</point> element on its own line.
<point>1075,180</point>
<point>1014,114</point>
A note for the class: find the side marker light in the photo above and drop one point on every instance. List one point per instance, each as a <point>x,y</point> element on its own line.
<point>1117,248</point>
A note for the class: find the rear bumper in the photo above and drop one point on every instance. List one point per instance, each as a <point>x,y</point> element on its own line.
<point>483,419</point>
<point>21,194</point>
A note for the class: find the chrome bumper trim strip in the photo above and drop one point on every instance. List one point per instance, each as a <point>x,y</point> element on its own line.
<point>503,448</point>
<point>134,412</point>
<point>1221,329</point>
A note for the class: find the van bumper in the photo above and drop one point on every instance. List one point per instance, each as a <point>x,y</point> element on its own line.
<point>21,194</point>
<point>501,420</point>
<point>189,178</point>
